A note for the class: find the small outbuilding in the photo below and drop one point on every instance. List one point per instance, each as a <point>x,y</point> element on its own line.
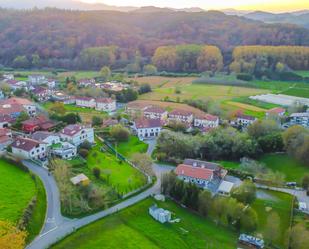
<point>80,179</point>
<point>225,188</point>
<point>160,214</point>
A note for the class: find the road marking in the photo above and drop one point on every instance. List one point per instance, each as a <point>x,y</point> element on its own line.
<point>53,229</point>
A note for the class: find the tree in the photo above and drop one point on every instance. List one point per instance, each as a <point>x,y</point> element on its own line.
<point>71,118</point>
<point>262,128</point>
<point>150,69</point>
<point>11,237</point>
<point>120,133</point>
<point>35,60</point>
<point>204,202</point>
<point>297,237</point>
<point>21,62</point>
<point>105,72</point>
<point>245,193</point>
<point>57,108</point>
<point>97,121</point>
<point>272,228</point>
<point>144,88</point>
<point>305,182</point>
<point>22,117</point>
<point>143,162</point>
<point>96,172</point>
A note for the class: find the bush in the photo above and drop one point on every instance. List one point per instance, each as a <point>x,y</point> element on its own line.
<point>96,172</point>
<point>120,133</point>
<point>84,153</point>
<point>244,76</point>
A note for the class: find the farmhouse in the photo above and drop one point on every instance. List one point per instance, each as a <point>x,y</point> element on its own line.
<point>5,138</point>
<point>147,128</point>
<point>160,214</point>
<point>300,119</point>
<point>206,121</point>
<point>38,123</point>
<point>26,148</point>
<point>206,175</point>
<point>276,111</point>
<point>181,116</point>
<point>77,134</point>
<point>85,102</point>
<point>47,137</point>
<point>105,104</point>
<point>155,112</point>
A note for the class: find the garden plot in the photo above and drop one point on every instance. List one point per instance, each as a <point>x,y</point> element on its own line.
<point>280,99</point>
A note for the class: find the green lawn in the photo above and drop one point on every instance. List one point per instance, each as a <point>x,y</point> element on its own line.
<point>116,173</point>
<point>298,92</point>
<point>134,145</point>
<point>134,228</point>
<point>293,170</point>
<point>280,203</point>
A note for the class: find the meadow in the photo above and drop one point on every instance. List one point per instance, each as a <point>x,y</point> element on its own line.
<point>134,145</point>
<point>116,231</point>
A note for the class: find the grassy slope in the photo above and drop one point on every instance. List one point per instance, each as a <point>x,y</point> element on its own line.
<point>17,189</point>
<point>118,230</point>
<point>134,145</point>
<point>122,176</point>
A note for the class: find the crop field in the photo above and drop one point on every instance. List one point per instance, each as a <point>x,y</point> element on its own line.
<point>117,230</point>
<point>298,92</point>
<point>246,106</point>
<point>160,81</point>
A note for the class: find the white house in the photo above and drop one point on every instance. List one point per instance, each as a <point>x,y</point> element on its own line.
<point>147,128</point>
<point>155,112</point>
<point>5,138</point>
<point>225,188</point>
<point>206,121</point>
<point>85,102</point>
<point>64,150</point>
<point>245,120</point>
<point>51,83</point>
<point>77,134</point>
<point>105,104</point>
<point>301,118</point>
<point>47,137</point>
<point>26,148</point>
<point>160,214</point>
<point>86,82</point>
<point>41,93</point>
<point>36,79</point>
<point>15,84</point>
<point>181,116</point>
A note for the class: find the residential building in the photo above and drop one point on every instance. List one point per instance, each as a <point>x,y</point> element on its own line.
<point>63,97</point>
<point>6,121</point>
<point>85,102</point>
<point>301,118</point>
<point>37,79</point>
<point>15,84</point>
<point>80,179</point>
<point>206,121</point>
<point>250,241</point>
<point>5,138</point>
<point>14,106</point>
<point>42,94</point>
<point>136,108</point>
<point>244,120</point>
<point>276,111</point>
<point>181,116</point>
<point>63,150</point>
<point>26,148</point>
<point>51,83</point>
<point>225,188</point>
<point>155,112</point>
<point>49,138</point>
<point>105,104</point>
<point>204,174</point>
<point>109,122</point>
<point>40,123</point>
<point>147,128</point>
<point>77,134</point>
<point>160,214</point>
<point>8,76</point>
<point>86,82</point>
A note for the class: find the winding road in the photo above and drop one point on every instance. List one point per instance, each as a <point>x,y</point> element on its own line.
<point>57,227</point>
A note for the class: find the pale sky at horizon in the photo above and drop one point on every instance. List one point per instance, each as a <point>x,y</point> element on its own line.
<point>267,5</point>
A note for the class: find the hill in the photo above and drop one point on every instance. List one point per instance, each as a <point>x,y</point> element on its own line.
<point>58,36</point>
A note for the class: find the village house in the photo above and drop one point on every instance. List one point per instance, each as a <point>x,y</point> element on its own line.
<point>205,175</point>
<point>14,106</point>
<point>51,83</point>
<point>85,102</point>
<point>36,79</point>
<point>155,112</point>
<point>62,97</point>
<point>49,138</point>
<point>109,122</point>
<point>15,85</point>
<point>105,104</point>
<point>42,94</point>
<point>86,82</point>
<point>244,120</point>
<point>40,123</point>
<point>182,116</point>
<point>147,128</point>
<point>6,121</point>
<point>206,121</point>
<point>136,108</point>
<point>80,179</point>
<point>77,134</point>
<point>301,118</point>
<point>26,148</point>
<point>276,111</point>
<point>64,150</point>
<point>5,138</point>
<point>160,214</point>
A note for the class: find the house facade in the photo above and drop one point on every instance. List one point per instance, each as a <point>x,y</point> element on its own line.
<point>42,94</point>
<point>181,116</point>
<point>5,138</point>
<point>154,112</point>
<point>85,102</point>
<point>64,150</point>
<point>147,128</point>
<point>15,106</point>
<point>46,137</point>
<point>105,104</point>
<point>26,148</point>
<point>206,121</point>
<point>276,111</point>
<point>77,134</point>
<point>301,118</point>
<point>245,120</point>
<point>36,79</point>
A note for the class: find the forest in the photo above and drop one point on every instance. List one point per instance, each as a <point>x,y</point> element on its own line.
<point>64,39</point>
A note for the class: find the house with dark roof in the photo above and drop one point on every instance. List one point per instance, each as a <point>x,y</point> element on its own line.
<point>41,93</point>
<point>26,148</point>
<point>147,128</point>
<point>77,134</point>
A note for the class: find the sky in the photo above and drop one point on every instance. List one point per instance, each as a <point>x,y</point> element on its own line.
<point>266,5</point>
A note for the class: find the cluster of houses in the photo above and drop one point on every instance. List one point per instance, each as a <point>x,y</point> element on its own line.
<point>112,86</point>
<point>152,118</point>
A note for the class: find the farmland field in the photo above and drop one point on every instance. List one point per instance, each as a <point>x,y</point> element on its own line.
<point>116,231</point>
<point>298,92</point>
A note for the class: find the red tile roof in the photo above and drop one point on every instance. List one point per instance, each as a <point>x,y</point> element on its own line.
<point>19,101</point>
<point>276,110</point>
<point>25,144</point>
<point>147,123</point>
<point>105,100</point>
<point>84,98</point>
<point>179,112</point>
<point>155,109</point>
<point>206,116</point>
<point>8,109</point>
<point>247,117</point>
<point>6,118</point>
<point>194,172</point>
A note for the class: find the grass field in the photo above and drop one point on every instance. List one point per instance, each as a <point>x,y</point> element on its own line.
<point>134,145</point>
<point>120,175</point>
<point>117,231</point>
<point>298,92</point>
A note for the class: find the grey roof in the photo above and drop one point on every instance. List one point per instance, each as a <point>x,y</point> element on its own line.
<point>198,163</point>
<point>41,135</point>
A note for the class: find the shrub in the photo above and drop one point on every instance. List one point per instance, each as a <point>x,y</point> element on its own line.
<point>84,153</point>
<point>244,76</point>
<point>96,172</point>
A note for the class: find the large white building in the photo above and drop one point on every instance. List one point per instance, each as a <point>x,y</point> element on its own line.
<point>105,104</point>
<point>77,134</point>
<point>147,128</point>
<point>26,148</point>
<point>245,120</point>
<point>206,121</point>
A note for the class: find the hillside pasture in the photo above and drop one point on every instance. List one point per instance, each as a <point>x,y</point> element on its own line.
<point>160,81</point>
